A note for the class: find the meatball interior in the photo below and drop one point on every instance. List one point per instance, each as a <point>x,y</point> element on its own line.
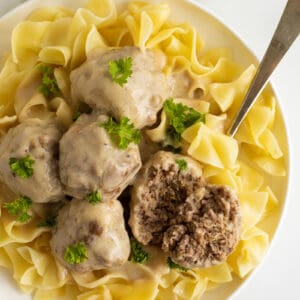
<point>197,224</point>
<point>206,228</point>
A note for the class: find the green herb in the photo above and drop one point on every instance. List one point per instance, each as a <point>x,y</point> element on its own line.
<point>123,131</point>
<point>120,70</point>
<point>48,222</point>
<point>180,118</point>
<point>182,164</point>
<point>22,167</point>
<point>94,197</point>
<point>173,265</point>
<point>19,208</point>
<point>76,254</point>
<point>138,254</point>
<point>49,87</point>
<point>173,138</point>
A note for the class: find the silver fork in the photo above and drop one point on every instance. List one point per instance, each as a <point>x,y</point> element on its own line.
<point>287,31</point>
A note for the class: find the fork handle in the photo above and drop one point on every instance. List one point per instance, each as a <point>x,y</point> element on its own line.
<point>285,34</point>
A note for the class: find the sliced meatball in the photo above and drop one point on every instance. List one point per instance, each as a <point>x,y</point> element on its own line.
<point>160,187</point>
<point>174,208</point>
<point>90,160</point>
<point>139,99</point>
<point>99,228</point>
<point>39,141</point>
<point>206,229</point>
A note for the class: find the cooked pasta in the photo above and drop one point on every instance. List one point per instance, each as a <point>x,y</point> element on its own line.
<point>64,38</point>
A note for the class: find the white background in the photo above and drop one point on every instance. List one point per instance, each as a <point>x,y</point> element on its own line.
<point>254,21</point>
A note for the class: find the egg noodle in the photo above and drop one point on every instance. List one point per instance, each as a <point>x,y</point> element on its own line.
<point>55,35</point>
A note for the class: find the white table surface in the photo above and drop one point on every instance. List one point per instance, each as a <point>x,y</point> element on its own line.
<point>255,20</point>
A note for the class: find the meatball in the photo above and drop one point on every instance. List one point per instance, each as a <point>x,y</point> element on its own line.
<point>39,141</point>
<point>206,229</point>
<point>90,161</point>
<point>100,228</point>
<point>139,99</point>
<point>160,187</point>
<point>173,207</point>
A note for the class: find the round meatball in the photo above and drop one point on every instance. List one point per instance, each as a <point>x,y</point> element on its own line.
<point>139,99</point>
<point>90,160</point>
<point>39,141</point>
<point>174,208</point>
<point>99,228</point>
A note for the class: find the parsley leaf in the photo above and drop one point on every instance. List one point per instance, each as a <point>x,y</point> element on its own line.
<point>22,167</point>
<point>49,87</point>
<point>180,118</point>
<point>138,254</point>
<point>182,164</point>
<point>94,197</point>
<point>19,208</point>
<point>48,222</point>
<point>120,70</point>
<point>173,265</point>
<point>76,254</point>
<point>124,132</point>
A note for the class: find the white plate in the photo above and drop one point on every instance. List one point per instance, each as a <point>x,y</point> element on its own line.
<point>214,34</point>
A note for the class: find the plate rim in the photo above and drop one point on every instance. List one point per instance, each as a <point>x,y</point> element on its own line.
<point>289,153</point>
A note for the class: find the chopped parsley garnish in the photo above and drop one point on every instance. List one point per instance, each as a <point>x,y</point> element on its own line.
<point>22,167</point>
<point>124,132</point>
<point>49,87</point>
<point>48,222</point>
<point>94,197</point>
<point>182,164</point>
<point>76,254</point>
<point>120,70</point>
<point>19,208</point>
<point>180,118</point>
<point>173,265</point>
<point>138,254</point>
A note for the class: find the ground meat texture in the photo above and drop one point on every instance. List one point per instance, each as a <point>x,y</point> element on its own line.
<point>99,227</point>
<point>39,140</point>
<point>197,224</point>
<point>139,99</point>
<point>91,161</point>
<point>206,229</point>
<point>159,189</point>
